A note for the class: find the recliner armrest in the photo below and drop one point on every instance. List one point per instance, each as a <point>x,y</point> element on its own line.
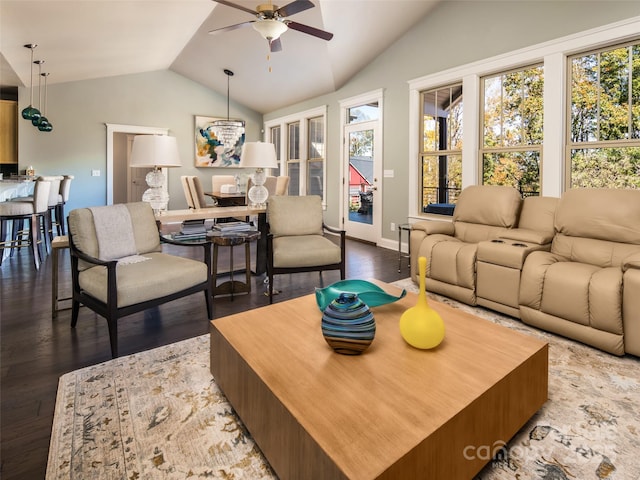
<point>529,236</point>
<point>632,261</point>
<point>435,226</point>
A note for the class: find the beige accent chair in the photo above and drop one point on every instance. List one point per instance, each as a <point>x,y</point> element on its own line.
<point>483,212</point>
<point>296,240</point>
<point>587,287</point>
<point>500,260</point>
<point>118,268</point>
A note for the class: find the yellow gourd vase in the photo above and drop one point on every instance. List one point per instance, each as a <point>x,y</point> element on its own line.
<point>421,326</point>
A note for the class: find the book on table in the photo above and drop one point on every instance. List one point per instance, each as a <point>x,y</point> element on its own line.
<point>233,227</point>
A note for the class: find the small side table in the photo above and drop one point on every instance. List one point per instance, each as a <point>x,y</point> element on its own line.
<point>232,239</point>
<point>404,227</point>
<point>57,243</point>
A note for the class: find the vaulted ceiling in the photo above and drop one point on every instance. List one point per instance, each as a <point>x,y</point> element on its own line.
<point>86,39</point>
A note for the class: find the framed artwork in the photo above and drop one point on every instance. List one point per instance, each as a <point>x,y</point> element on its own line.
<point>210,151</point>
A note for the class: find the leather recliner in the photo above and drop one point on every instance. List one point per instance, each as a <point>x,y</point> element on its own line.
<point>587,287</point>
<point>483,212</point>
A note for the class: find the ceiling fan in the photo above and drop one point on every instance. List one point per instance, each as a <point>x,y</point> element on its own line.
<point>271,21</point>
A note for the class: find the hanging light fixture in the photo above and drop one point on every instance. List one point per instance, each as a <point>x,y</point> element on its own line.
<point>228,132</point>
<point>35,120</point>
<point>44,125</point>
<point>29,113</point>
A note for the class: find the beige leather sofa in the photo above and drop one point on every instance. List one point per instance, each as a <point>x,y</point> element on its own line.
<point>483,212</point>
<point>569,266</point>
<point>587,287</point>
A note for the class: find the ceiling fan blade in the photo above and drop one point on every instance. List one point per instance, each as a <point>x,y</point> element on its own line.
<point>233,5</point>
<point>231,27</point>
<point>316,32</point>
<point>294,7</point>
<point>275,45</point>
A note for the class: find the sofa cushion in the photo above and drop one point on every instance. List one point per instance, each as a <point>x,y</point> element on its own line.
<point>604,214</point>
<point>492,205</point>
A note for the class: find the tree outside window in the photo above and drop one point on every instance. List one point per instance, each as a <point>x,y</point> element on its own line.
<point>604,118</point>
<point>512,127</point>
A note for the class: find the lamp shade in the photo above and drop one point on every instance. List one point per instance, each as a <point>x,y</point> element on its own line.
<point>258,155</point>
<point>155,151</point>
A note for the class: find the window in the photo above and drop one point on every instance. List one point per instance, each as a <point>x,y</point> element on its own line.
<point>300,143</point>
<point>315,157</point>
<point>441,145</point>
<point>274,137</point>
<point>293,157</point>
<point>603,145</point>
<point>512,124</point>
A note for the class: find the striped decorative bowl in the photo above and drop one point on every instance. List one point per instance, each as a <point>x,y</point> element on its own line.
<point>348,325</point>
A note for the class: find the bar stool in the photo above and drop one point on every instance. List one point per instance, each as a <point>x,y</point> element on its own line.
<point>32,212</point>
<point>65,188</point>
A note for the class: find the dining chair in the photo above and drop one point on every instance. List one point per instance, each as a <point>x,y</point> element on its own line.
<point>197,193</point>
<point>282,185</point>
<point>218,180</point>
<point>187,191</point>
<point>31,212</point>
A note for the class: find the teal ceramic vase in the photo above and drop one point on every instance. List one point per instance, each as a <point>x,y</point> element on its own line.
<point>348,325</point>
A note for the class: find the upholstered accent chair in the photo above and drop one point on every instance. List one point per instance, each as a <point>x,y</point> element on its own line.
<point>587,287</point>
<point>118,267</point>
<point>296,240</point>
<point>483,212</point>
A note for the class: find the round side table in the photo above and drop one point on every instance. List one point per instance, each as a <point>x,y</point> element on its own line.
<point>232,239</point>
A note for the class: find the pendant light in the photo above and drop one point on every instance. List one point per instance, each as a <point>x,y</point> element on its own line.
<point>45,125</point>
<point>228,132</point>
<point>29,113</point>
<point>35,120</point>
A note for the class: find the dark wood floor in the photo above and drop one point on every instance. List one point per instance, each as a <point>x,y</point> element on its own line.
<point>36,350</point>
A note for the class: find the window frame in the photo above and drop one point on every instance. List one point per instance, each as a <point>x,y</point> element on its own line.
<point>303,119</point>
<point>552,55</point>
<point>571,145</point>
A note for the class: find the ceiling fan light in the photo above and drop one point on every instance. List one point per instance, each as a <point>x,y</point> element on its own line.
<point>270,29</point>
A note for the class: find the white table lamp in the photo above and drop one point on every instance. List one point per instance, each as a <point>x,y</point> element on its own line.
<point>258,155</point>
<point>157,152</point>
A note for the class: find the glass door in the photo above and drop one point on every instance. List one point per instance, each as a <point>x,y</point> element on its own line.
<point>362,167</point>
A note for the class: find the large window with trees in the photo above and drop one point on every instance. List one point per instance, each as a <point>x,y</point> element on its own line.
<point>603,130</point>
<point>512,121</point>
<point>293,157</point>
<point>441,146</point>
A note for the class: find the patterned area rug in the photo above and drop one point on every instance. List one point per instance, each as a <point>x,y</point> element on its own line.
<point>160,415</point>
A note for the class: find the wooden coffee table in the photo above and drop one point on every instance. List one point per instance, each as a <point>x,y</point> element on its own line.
<point>392,412</point>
